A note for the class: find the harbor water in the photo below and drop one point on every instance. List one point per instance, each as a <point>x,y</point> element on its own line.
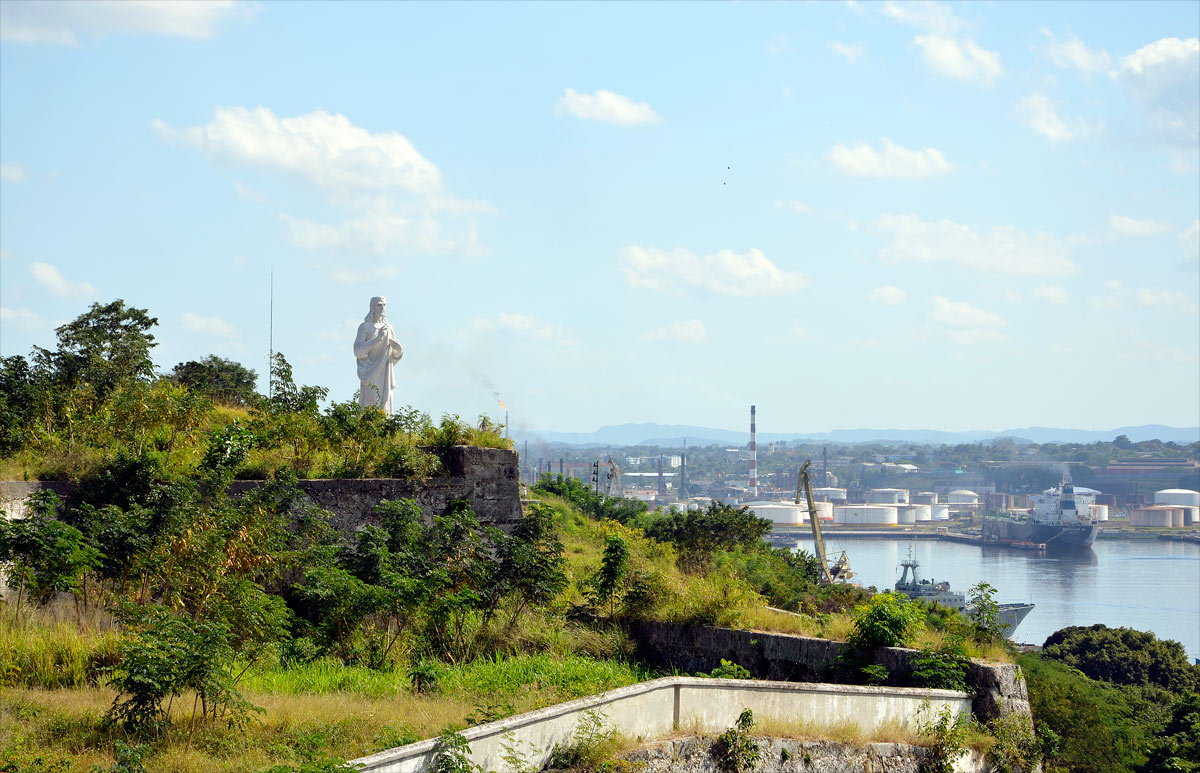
<point>1149,585</point>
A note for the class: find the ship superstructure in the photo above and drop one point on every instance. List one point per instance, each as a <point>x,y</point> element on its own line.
<point>940,593</point>
<point>1059,518</point>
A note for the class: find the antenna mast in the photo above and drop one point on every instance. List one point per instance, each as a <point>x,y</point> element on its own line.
<point>271,339</point>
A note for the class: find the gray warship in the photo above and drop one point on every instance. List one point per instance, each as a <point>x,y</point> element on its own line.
<point>939,592</point>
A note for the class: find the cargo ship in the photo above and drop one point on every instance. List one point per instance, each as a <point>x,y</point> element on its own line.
<point>939,592</point>
<point>1058,519</point>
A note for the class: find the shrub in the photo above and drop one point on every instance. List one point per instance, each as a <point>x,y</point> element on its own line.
<point>736,751</point>
<point>887,620</point>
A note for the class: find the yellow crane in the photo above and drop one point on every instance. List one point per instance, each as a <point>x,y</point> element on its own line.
<point>840,570</point>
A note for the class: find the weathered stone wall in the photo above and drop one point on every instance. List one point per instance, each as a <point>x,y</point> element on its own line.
<point>998,689</point>
<point>487,477</point>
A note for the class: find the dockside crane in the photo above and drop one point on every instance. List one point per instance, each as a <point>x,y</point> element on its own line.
<point>840,570</point>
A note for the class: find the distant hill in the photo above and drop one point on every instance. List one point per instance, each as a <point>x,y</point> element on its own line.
<point>672,435</point>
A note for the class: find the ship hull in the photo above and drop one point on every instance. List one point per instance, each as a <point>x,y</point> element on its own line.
<point>1048,534</point>
<point>1012,615</point>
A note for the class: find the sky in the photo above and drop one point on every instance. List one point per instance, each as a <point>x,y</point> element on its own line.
<point>890,215</point>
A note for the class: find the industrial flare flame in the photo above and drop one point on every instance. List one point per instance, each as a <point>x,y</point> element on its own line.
<point>502,405</point>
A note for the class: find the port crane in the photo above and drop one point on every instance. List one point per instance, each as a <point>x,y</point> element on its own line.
<point>840,570</point>
<point>612,479</point>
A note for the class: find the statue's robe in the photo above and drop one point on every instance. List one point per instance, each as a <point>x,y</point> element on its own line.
<point>375,361</point>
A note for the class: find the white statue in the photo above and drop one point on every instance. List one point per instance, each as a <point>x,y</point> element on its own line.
<point>377,350</point>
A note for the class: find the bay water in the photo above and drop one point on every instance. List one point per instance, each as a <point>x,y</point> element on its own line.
<point>1149,585</point>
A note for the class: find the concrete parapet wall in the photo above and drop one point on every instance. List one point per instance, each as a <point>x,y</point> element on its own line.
<point>786,755</point>
<point>657,708</point>
<point>487,477</point>
<point>998,688</point>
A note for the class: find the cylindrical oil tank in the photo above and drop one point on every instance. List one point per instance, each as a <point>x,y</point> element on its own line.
<point>829,494</point>
<point>925,498</point>
<point>1100,512</point>
<point>962,496</point>
<point>1191,516</point>
<point>780,513</point>
<point>874,515</point>
<point>940,511</point>
<point>1159,517</point>
<point>824,510</point>
<point>1177,496</point>
<point>924,512</point>
<point>906,514</point>
<point>887,496</point>
<point>1177,517</point>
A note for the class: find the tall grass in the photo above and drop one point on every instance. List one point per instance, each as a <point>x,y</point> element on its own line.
<point>39,652</point>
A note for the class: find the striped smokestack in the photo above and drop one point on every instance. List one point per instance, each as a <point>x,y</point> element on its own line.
<point>753,456</point>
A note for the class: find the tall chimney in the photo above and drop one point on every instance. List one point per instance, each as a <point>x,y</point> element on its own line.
<point>753,456</point>
<point>682,495</point>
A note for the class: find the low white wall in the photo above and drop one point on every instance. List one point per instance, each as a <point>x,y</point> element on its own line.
<point>656,708</point>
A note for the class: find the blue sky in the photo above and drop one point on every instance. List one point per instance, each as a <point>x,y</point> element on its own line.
<point>910,215</point>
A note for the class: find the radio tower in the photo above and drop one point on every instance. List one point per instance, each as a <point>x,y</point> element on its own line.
<point>753,456</point>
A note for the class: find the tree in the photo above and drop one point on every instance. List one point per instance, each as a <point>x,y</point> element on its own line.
<point>44,555</point>
<point>697,534</point>
<point>221,379</point>
<point>1123,656</point>
<point>887,620</point>
<point>604,587</point>
<point>984,613</point>
<point>106,346</point>
<point>531,562</point>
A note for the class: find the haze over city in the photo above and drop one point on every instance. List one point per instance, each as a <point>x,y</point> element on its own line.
<point>915,215</point>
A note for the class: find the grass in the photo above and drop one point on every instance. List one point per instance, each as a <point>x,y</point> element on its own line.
<point>40,651</point>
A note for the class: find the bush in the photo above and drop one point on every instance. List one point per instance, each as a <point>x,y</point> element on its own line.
<point>887,620</point>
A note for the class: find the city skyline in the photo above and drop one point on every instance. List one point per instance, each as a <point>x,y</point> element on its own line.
<point>852,215</point>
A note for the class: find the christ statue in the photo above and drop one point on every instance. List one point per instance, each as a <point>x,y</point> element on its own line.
<point>377,350</point>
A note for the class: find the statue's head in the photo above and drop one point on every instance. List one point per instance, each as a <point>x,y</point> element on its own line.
<point>378,305</point>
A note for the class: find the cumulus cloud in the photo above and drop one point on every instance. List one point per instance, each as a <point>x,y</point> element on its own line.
<point>963,60</point>
<point>209,326</point>
<point>798,207</point>
<point>797,330</point>
<point>925,15</point>
<point>394,198</point>
<point>606,107</point>
<point>63,22</point>
<point>891,160</point>
<point>688,331</point>
<point>887,295</point>
<point>1165,77</point>
<point>1000,250</point>
<point>525,326</point>
<point>726,272</point>
<point>1040,113</point>
<point>1052,294</point>
<point>12,172</point>
<point>964,323</point>
<point>1073,54</point>
<point>1165,300</point>
<point>1128,226</point>
<point>851,52</point>
<point>48,276</point>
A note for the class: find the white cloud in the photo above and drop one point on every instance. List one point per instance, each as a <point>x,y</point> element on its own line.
<point>248,194</point>
<point>1165,300</point>
<point>851,51</point>
<point>394,198</point>
<point>525,326</point>
<point>1128,226</point>
<point>62,22</point>
<point>48,276</point>
<point>961,60</point>
<point>888,295</point>
<point>796,206</point>
<point>1001,250</point>
<point>323,149</point>
<point>1052,294</point>
<point>12,172</point>
<point>1189,240</point>
<point>964,323</point>
<point>891,161</point>
<point>605,106</point>
<point>209,326</point>
<point>747,274</point>
<point>1165,77</point>
<point>688,331</point>
<point>797,331</point>
<point>777,45</point>
<point>925,15</point>
<point>1040,113</point>
<point>23,319</point>
<point>1073,54</point>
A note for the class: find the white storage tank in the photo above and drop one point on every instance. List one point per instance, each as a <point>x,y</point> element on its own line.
<point>1191,516</point>
<point>824,511</point>
<point>780,513</point>
<point>906,514</point>
<point>925,498</point>
<point>924,512</point>
<point>962,496</point>
<point>829,494</point>
<point>887,496</point>
<point>940,511</point>
<point>1159,516</point>
<point>1100,512</point>
<point>873,515</point>
<point>1177,496</point>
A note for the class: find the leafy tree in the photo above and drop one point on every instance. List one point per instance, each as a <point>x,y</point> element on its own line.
<point>457,574</point>
<point>984,613</point>
<point>604,587</point>
<point>19,391</point>
<point>697,534</point>
<point>106,346</point>
<point>221,379</point>
<point>1178,745</point>
<point>44,555</point>
<point>887,620</point>
<point>531,562</point>
<point>1123,656</point>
